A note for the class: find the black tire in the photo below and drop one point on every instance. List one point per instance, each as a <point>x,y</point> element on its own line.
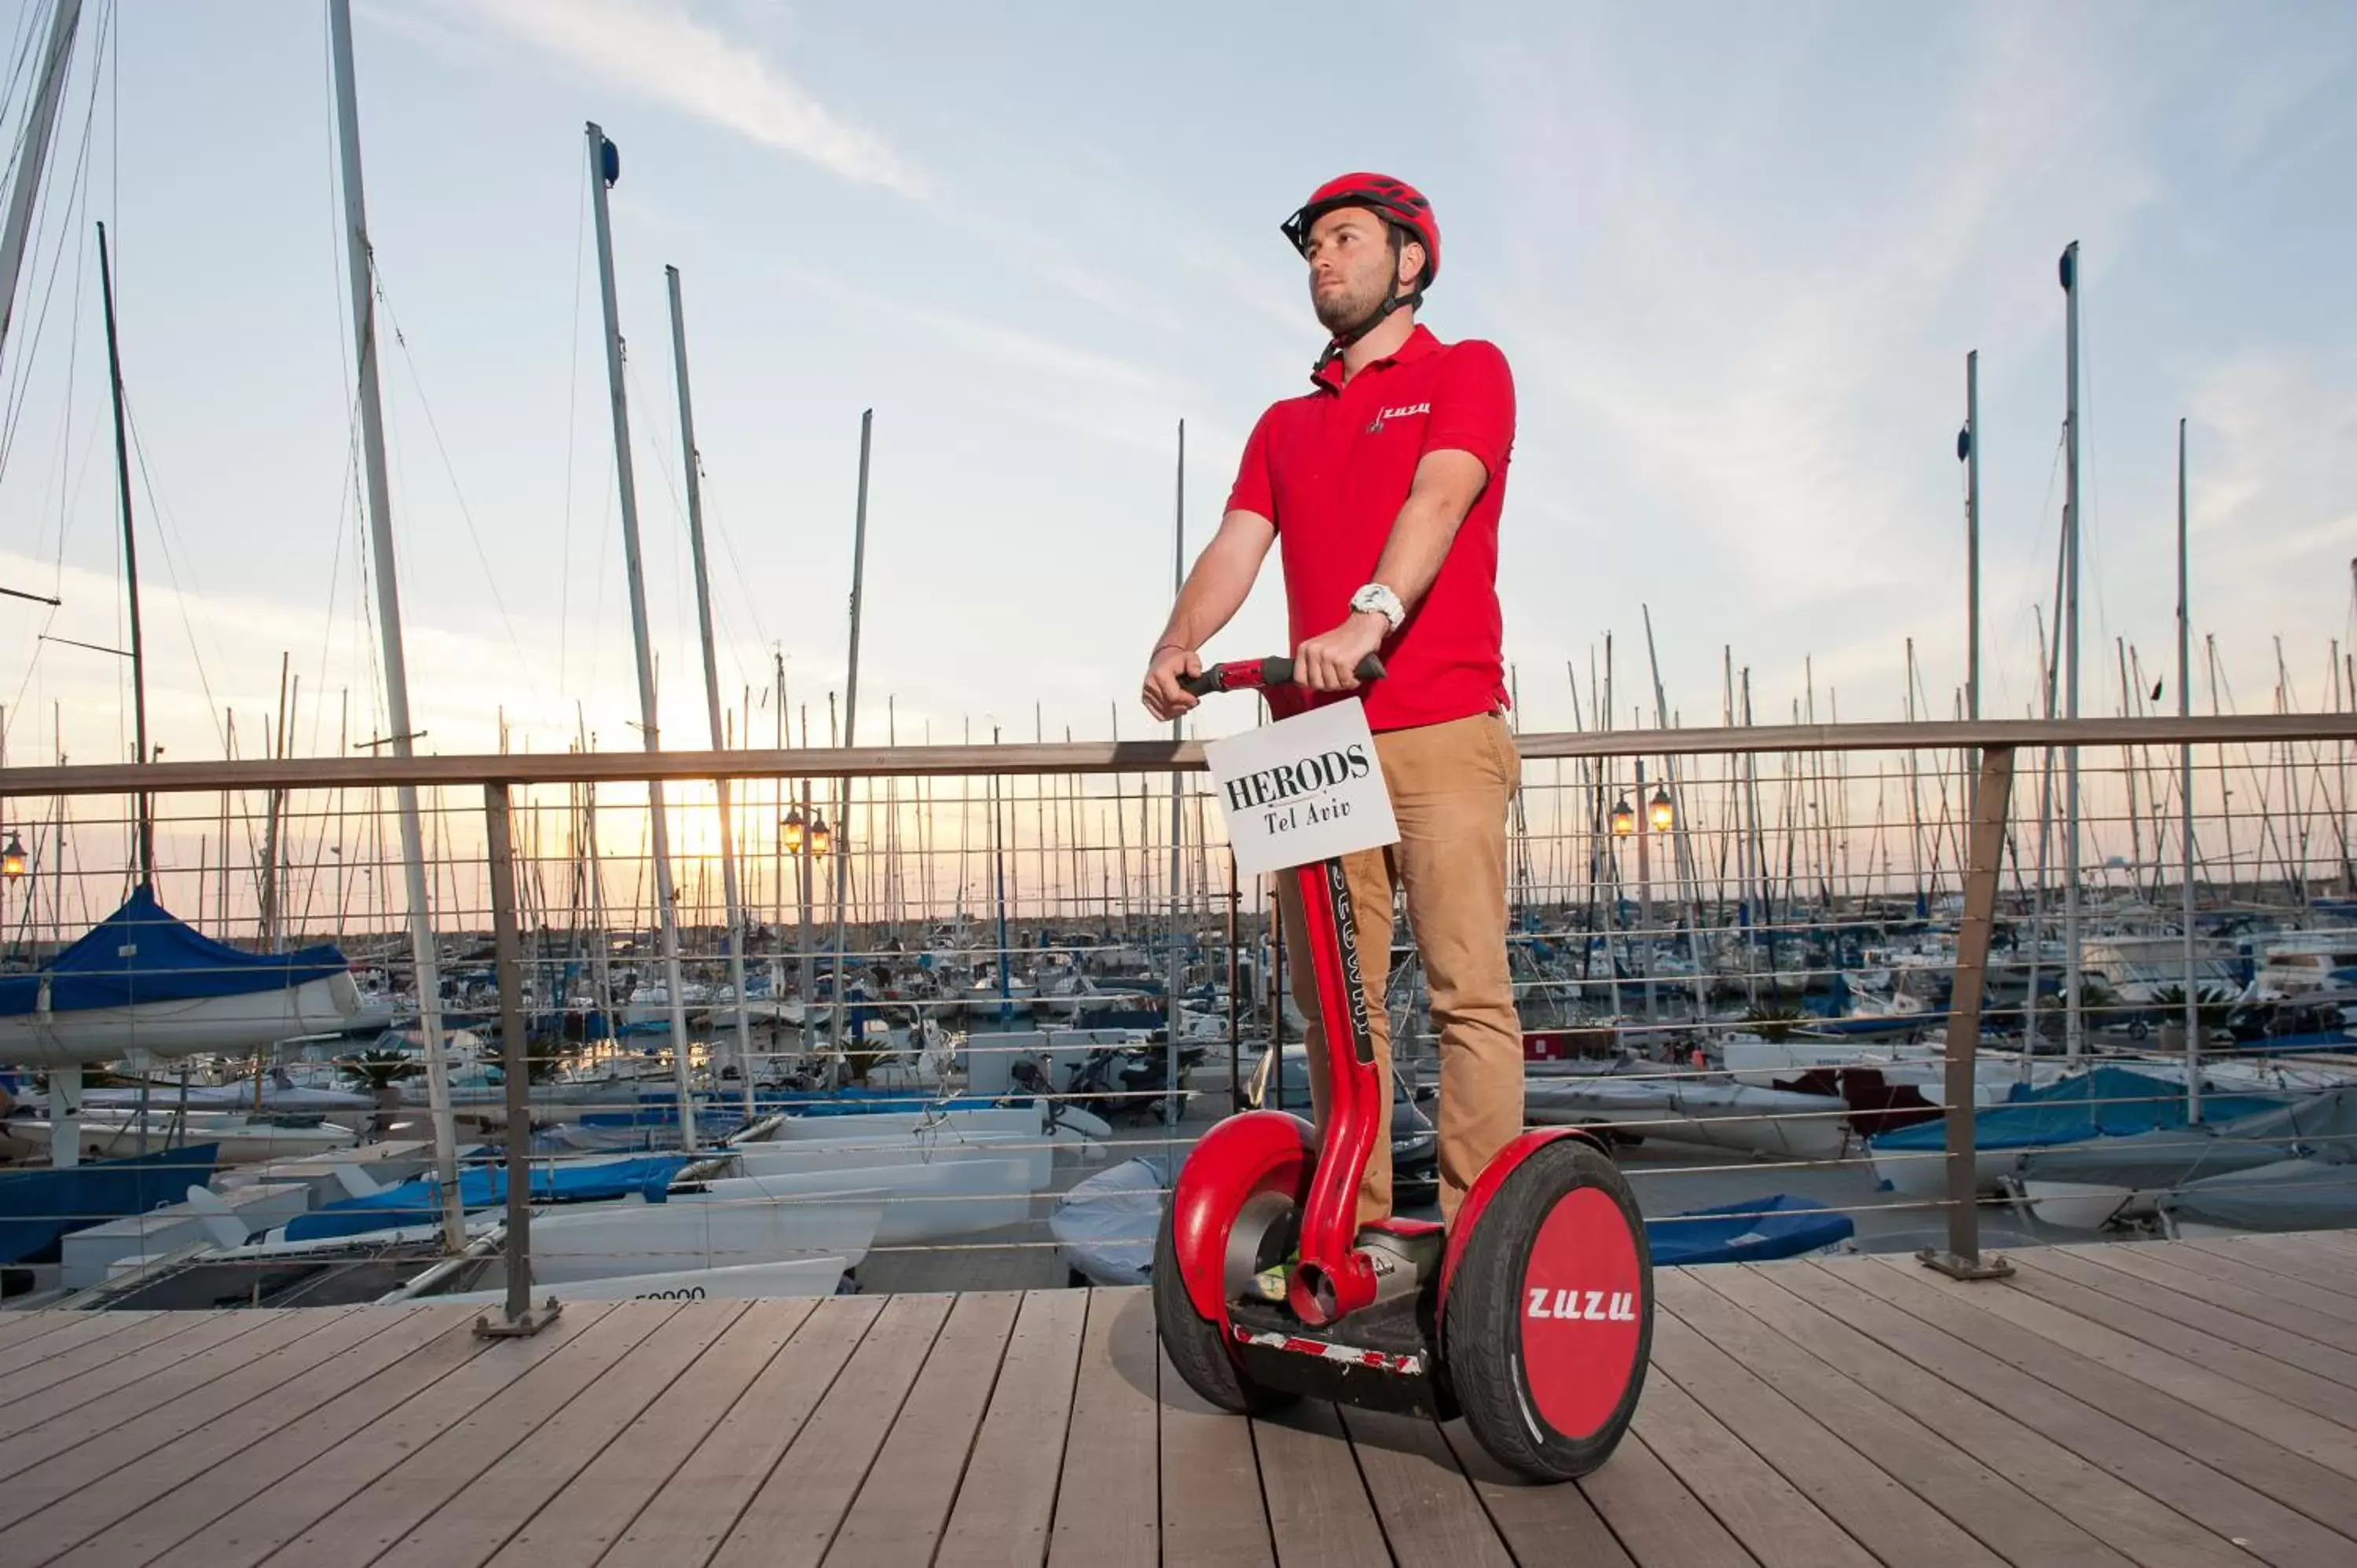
<point>1484,1328</point>
<point>1196,1347</point>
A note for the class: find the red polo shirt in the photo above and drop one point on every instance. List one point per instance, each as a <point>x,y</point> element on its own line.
<point>1331,470</point>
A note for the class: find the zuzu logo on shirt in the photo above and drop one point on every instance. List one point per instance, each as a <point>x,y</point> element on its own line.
<point>1405,412</point>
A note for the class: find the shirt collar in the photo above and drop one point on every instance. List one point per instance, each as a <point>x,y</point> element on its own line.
<point>1420,344</point>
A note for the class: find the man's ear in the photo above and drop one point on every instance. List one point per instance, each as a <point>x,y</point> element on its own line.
<point>1411,263</point>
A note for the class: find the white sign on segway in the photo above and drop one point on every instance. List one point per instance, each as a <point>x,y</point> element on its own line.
<point>1304,789</point>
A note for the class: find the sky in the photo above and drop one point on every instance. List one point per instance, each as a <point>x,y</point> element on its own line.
<point>1734,254</point>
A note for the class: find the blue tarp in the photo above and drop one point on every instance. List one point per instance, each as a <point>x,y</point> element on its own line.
<point>486,1187</point>
<point>1777,1226</point>
<point>143,953</point>
<point>2105,1102</point>
<point>39,1209</point>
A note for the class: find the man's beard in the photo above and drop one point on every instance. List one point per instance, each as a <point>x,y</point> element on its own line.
<point>1346,308</point>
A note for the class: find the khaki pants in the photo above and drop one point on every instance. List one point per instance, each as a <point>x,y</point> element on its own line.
<point>1450,784</point>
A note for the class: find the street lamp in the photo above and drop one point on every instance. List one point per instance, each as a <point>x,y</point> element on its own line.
<point>1658,811</point>
<point>822,839</point>
<point>12,858</point>
<point>1624,820</point>
<point>795,827</point>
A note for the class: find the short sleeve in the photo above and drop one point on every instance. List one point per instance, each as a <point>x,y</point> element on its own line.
<point>1256,489</point>
<point>1473,405</point>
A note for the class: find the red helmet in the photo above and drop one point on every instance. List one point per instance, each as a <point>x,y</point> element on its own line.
<point>1397,200</point>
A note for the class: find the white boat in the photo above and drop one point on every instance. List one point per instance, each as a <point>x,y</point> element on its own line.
<point>1713,1112</point>
<point>602,1241</point>
<point>109,1134</point>
<point>143,981</point>
<point>797,1276</point>
<point>924,1201</point>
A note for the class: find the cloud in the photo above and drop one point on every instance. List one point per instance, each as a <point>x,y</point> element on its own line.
<point>657,50</point>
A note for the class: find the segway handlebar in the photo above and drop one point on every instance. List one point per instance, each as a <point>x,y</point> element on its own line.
<point>1254,674</point>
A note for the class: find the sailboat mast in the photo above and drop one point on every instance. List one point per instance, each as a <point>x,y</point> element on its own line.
<point>2185,796</point>
<point>33,158</point>
<point>360,269</point>
<point>604,167</point>
<point>850,720</point>
<point>2073,1020</point>
<point>712,691</point>
<point>146,810</point>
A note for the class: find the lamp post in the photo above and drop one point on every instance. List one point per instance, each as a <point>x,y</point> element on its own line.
<point>807,837</point>
<point>11,870</point>
<point>1661,814</point>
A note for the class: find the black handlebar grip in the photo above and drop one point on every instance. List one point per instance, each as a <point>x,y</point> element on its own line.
<point>1274,671</point>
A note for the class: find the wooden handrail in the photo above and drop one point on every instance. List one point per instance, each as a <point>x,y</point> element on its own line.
<point>1120,756</point>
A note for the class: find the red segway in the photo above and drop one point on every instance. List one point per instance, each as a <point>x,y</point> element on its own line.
<point>1532,1317</point>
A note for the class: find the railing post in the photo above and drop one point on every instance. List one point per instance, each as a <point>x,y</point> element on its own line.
<point>1962,1258</point>
<point>522,1318</point>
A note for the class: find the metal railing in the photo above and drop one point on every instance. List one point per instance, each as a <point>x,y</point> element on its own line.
<point>1986,828</point>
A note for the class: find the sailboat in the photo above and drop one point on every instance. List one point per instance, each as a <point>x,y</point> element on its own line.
<point>143,979</point>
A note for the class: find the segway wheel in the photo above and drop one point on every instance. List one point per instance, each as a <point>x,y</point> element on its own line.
<point>1197,1348</point>
<point>1549,1319</point>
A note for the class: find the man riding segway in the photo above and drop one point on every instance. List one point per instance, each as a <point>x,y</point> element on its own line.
<point>1531,1312</point>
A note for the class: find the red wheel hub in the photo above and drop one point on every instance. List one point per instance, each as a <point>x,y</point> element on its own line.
<point>1580,1311</point>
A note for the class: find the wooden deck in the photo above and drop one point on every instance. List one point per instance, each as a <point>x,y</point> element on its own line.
<point>2169,1403</point>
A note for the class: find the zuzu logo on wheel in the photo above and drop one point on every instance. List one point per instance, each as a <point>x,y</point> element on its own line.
<point>1580,1318</point>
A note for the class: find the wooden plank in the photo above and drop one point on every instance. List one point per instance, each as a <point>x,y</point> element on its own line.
<point>476,1520</point>
<point>2341,1242</point>
<point>329,1479</point>
<point>1208,1455</point>
<point>1836,1328</point>
<point>2293,1257</point>
<point>793,1518</point>
<point>381,1513</point>
<point>1429,1512</point>
<point>32,1337</point>
<point>902,1506</point>
<point>1320,1514</point>
<point>90,1346</point>
<point>597,1505</point>
<point>687,1521</point>
<point>2010,1521</point>
<point>327,1476</point>
<point>2327,1307</point>
<point>1008,1497</point>
<point>1654,1517</point>
<point>2312,1391</point>
<point>1873,1508</point>
<point>1775,1523</point>
<point>2163,1301</point>
<point>2297,1431</point>
<point>81,1408</point>
<point>2141,1387</point>
<point>225,1482</point>
<point>2244,1514</point>
<point>2158,1262</point>
<point>54,1505</point>
<point>1109,1500</point>
<point>1537,1524</point>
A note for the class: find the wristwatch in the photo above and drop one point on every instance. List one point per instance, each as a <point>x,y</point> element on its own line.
<point>1376,598</point>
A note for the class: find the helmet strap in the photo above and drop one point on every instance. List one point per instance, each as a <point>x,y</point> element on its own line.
<point>1375,318</point>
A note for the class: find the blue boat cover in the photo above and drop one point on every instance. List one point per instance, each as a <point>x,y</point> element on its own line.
<point>2105,1102</point>
<point>144,953</point>
<point>1779,1225</point>
<point>39,1209</point>
<point>486,1187</point>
